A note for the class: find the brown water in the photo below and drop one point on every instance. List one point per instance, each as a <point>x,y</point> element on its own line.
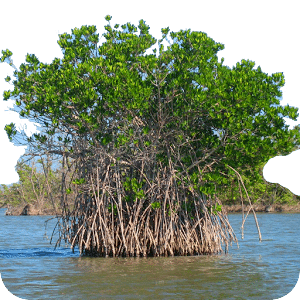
<point>31,269</point>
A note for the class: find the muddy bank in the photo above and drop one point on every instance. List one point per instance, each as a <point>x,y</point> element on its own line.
<point>264,208</point>
<point>32,210</point>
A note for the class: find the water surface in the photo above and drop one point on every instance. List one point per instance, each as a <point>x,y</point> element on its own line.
<point>31,269</point>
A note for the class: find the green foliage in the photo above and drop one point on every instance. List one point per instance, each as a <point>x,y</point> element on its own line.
<point>259,190</point>
<point>79,181</point>
<point>185,99</point>
<point>134,188</point>
<point>113,209</point>
<point>215,209</point>
<point>155,205</point>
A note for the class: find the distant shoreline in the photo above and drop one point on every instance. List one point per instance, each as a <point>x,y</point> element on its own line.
<point>31,210</point>
<point>284,208</point>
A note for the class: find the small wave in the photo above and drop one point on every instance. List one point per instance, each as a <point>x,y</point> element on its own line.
<point>19,253</point>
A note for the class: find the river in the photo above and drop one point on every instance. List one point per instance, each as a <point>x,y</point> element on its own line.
<point>31,269</point>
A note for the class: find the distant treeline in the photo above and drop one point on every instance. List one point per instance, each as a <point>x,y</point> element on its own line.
<point>39,184</point>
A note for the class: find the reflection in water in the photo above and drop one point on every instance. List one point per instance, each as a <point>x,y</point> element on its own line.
<point>31,269</point>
